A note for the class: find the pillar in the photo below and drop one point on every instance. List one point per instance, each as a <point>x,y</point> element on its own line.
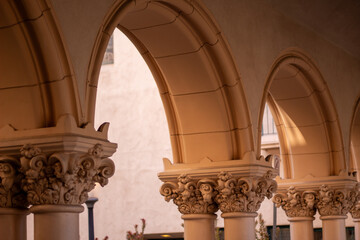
<point>357,228</point>
<point>239,199</point>
<point>56,222</point>
<point>56,185</point>
<point>333,227</point>
<point>199,226</point>
<point>301,228</point>
<point>300,207</point>
<point>13,223</point>
<point>333,206</point>
<point>239,225</point>
<point>13,203</point>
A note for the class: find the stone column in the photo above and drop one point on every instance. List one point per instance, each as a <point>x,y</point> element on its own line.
<point>300,207</point>
<point>333,206</point>
<point>57,184</point>
<point>13,203</point>
<point>239,198</point>
<point>355,213</point>
<point>195,200</point>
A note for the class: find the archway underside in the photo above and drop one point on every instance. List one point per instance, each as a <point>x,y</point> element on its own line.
<point>197,79</point>
<point>310,139</point>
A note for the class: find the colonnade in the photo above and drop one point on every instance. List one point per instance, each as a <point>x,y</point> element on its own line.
<point>332,197</point>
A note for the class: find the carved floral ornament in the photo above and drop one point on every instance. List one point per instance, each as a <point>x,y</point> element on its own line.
<point>228,193</point>
<point>326,200</point>
<point>61,178</point>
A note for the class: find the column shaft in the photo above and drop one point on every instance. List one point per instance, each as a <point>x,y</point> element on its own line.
<point>357,228</point>
<point>56,222</point>
<point>199,226</point>
<point>301,228</point>
<point>13,223</point>
<point>239,225</point>
<point>333,227</point>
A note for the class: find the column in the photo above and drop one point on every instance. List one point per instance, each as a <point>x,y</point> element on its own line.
<point>300,207</point>
<point>13,203</point>
<point>355,213</point>
<point>195,200</point>
<point>239,199</point>
<point>57,184</point>
<point>333,206</point>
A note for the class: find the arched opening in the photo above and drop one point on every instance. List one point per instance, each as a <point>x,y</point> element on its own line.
<point>195,74</point>
<point>306,121</point>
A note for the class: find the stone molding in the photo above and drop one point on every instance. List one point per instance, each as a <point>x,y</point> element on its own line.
<point>297,203</point>
<point>230,194</point>
<point>63,177</point>
<point>328,200</point>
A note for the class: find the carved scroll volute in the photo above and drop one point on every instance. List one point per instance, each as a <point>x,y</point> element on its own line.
<point>65,177</point>
<point>11,194</point>
<point>297,203</point>
<point>335,201</point>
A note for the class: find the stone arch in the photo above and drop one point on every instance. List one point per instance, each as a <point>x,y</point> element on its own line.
<point>355,140</point>
<point>197,79</point>
<point>36,79</point>
<point>305,116</point>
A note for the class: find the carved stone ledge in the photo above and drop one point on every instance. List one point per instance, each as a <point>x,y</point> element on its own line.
<point>335,201</point>
<point>191,196</point>
<point>11,194</point>
<point>297,203</point>
<point>63,177</point>
<point>244,194</point>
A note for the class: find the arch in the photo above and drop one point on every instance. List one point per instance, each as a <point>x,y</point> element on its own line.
<point>305,116</point>
<point>36,80</point>
<point>355,141</point>
<point>197,79</point>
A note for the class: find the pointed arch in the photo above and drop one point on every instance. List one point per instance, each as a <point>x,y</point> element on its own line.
<point>355,141</point>
<point>306,119</point>
<point>197,79</point>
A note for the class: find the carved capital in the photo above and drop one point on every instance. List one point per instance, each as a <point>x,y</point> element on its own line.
<point>297,203</point>
<point>11,194</point>
<point>191,196</point>
<point>335,201</point>
<point>64,177</point>
<point>243,194</point>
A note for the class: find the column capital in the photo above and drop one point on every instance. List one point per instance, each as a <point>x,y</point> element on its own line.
<point>63,177</point>
<point>243,194</point>
<point>191,196</point>
<point>297,203</point>
<point>335,202</point>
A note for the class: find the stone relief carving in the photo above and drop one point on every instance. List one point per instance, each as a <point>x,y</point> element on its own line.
<point>227,193</point>
<point>335,201</point>
<point>65,177</point>
<point>11,194</point>
<point>297,203</point>
<point>191,196</point>
<point>243,194</point>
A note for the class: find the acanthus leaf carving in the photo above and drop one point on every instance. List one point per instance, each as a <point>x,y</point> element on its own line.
<point>244,194</point>
<point>297,203</point>
<point>191,196</point>
<point>11,194</point>
<point>335,201</point>
<point>63,178</point>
